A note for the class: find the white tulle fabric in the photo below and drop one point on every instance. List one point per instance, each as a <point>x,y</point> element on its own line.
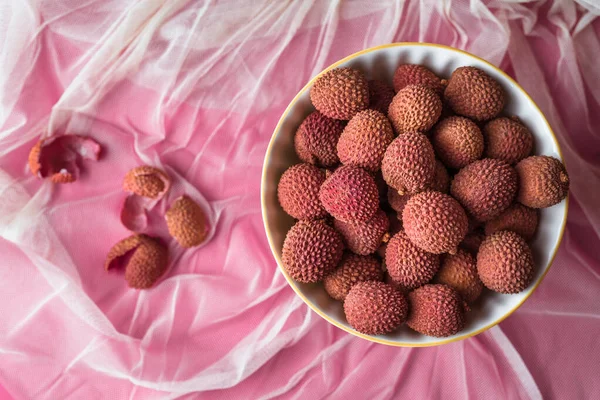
<point>196,87</point>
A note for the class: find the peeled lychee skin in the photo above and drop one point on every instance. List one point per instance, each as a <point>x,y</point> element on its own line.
<point>435,222</point>
<point>507,139</point>
<point>147,181</point>
<point>415,108</point>
<point>364,237</point>
<point>311,250</point>
<point>350,194</point>
<point>375,308</point>
<point>457,142</point>
<point>408,265</point>
<point>459,271</point>
<point>340,93</point>
<point>543,181</point>
<point>380,96</point>
<point>414,74</point>
<point>505,263</point>
<point>353,269</point>
<point>187,222</point>
<point>436,310</point>
<point>517,218</point>
<point>365,139</point>
<point>316,140</point>
<point>409,163</point>
<point>485,188</point>
<point>298,191</point>
<point>472,93</point>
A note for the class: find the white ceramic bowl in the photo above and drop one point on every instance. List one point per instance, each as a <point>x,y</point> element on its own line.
<point>380,63</point>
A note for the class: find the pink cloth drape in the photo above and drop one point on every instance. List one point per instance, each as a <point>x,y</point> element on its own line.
<point>197,87</point>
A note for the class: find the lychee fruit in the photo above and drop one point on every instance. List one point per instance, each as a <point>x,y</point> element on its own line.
<point>380,96</point>
<point>340,93</point>
<point>435,222</point>
<point>311,250</point>
<point>187,222</point>
<point>144,258</point>
<point>414,74</point>
<point>364,237</point>
<point>436,310</point>
<point>353,269</point>
<point>472,93</point>
<point>517,218</point>
<point>408,265</point>
<point>316,140</point>
<point>298,191</point>
<point>56,157</point>
<point>415,108</point>
<point>485,188</point>
<point>457,141</point>
<point>441,180</point>
<point>350,194</point>
<point>543,181</point>
<point>147,181</point>
<point>397,201</point>
<point>409,163</point>
<point>505,262</point>
<point>507,139</point>
<point>472,241</point>
<point>375,308</point>
<point>365,139</point>
<point>459,271</point>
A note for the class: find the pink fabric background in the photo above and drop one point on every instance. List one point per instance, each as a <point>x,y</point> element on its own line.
<point>197,87</point>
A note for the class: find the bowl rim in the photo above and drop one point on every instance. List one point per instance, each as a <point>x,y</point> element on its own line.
<point>292,283</point>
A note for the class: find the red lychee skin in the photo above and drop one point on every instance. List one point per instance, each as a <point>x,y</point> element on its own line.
<point>435,222</point>
<point>436,310</point>
<point>316,140</point>
<point>298,191</point>
<point>147,181</point>
<point>145,260</point>
<point>352,269</point>
<point>380,96</point>
<point>375,308</point>
<point>340,93</point>
<point>517,218</point>
<point>187,222</point>
<point>414,74</point>
<point>350,194</point>
<point>364,237</point>
<point>459,271</point>
<point>408,265</point>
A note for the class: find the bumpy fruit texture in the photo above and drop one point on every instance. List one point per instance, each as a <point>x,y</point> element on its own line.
<point>340,93</point>
<point>485,188</point>
<point>517,218</point>
<point>298,191</point>
<point>316,140</point>
<point>350,194</point>
<point>414,74</point>
<point>397,201</point>
<point>311,250</point>
<point>352,270</point>
<point>380,96</point>
<point>473,93</point>
<point>409,163</point>
<point>459,271</point>
<point>364,237</point>
<point>147,181</point>
<point>435,222</point>
<point>56,157</point>
<point>472,241</point>
<point>436,310</point>
<point>457,142</point>
<point>505,263</point>
<point>441,180</point>
<point>375,308</point>
<point>543,181</point>
<point>408,265</point>
<point>144,258</point>
<point>365,139</point>
<point>416,108</point>
<point>507,139</point>
<point>187,222</point>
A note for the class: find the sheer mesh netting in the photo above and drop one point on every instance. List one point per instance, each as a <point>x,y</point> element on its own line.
<point>196,88</point>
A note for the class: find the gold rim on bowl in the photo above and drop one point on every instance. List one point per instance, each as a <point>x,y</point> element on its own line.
<point>292,283</point>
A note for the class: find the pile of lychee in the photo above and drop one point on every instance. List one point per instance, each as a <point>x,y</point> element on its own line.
<point>413,198</point>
